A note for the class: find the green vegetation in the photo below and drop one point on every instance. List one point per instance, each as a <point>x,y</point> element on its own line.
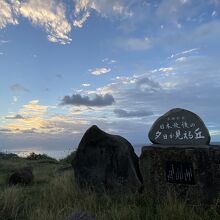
<point>33,156</point>
<point>69,158</point>
<point>54,195</point>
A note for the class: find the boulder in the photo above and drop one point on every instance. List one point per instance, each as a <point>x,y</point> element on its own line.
<point>179,127</point>
<point>106,162</point>
<point>23,176</point>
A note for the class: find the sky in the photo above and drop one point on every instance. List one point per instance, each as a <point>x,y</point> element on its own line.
<point>68,64</point>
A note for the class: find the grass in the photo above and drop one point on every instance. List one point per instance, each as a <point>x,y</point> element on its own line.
<point>54,195</point>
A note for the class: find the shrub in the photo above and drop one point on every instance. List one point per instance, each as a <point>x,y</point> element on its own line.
<point>34,156</point>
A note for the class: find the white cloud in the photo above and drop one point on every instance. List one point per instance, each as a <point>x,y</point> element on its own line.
<point>214,13</point>
<point>7,13</point>
<point>173,11</point>
<point>134,44</point>
<point>14,99</point>
<point>181,59</point>
<point>109,61</point>
<point>4,41</point>
<point>214,132</point>
<point>86,84</point>
<point>100,71</point>
<point>51,16</point>
<point>166,69</point>
<point>48,14</point>
<point>79,23</point>
<point>185,52</point>
<point>105,8</point>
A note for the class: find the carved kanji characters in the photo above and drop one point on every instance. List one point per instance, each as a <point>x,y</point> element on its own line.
<point>157,135</point>
<point>178,135</point>
<point>198,134</point>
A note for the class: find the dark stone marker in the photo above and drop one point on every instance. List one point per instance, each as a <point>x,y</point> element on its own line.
<point>192,173</point>
<point>179,127</point>
<point>180,173</point>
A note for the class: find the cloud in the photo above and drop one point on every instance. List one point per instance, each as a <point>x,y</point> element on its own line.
<point>105,8</point>
<point>86,84</point>
<point>31,117</point>
<point>100,71</point>
<point>172,10</point>
<point>181,59</point>
<point>185,52</point>
<point>14,99</point>
<point>109,61</point>
<point>19,88</point>
<point>166,69</point>
<point>18,116</point>
<point>79,23</point>
<point>51,15</point>
<point>134,44</point>
<point>97,101</point>
<point>4,41</point>
<point>7,14</point>
<point>127,114</point>
<point>59,76</point>
<point>5,130</point>
<point>214,13</point>
<point>48,14</point>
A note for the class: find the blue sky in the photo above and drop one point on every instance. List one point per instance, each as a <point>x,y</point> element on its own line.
<point>120,64</point>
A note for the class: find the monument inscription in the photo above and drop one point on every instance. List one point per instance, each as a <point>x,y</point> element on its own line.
<point>180,173</point>
<point>179,126</point>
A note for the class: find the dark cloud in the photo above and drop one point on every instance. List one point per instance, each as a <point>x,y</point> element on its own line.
<point>15,117</point>
<point>4,130</point>
<point>59,76</point>
<point>19,88</point>
<point>30,131</point>
<point>126,114</point>
<point>97,101</point>
<point>147,83</point>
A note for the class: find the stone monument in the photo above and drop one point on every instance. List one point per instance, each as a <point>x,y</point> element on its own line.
<point>181,161</point>
<point>179,127</point>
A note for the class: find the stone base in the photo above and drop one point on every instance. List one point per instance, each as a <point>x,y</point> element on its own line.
<point>191,172</point>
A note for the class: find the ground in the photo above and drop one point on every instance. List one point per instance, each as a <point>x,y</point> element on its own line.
<point>54,195</point>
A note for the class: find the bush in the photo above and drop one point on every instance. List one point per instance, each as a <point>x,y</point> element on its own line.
<point>8,156</point>
<point>68,159</point>
<point>33,156</point>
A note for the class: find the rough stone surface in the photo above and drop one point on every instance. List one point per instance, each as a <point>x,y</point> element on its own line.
<point>105,161</point>
<point>80,216</point>
<point>192,173</point>
<point>23,176</point>
<point>179,127</point>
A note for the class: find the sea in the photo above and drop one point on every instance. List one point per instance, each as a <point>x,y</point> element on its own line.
<point>59,154</point>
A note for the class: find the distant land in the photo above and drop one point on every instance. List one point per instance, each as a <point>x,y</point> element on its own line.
<point>59,154</point>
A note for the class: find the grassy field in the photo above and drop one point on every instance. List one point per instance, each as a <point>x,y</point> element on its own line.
<point>54,195</point>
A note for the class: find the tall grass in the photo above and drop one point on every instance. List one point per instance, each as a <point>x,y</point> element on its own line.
<point>11,200</point>
<point>55,195</point>
<point>61,197</point>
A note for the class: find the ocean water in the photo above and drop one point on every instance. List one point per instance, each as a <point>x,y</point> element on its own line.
<point>59,154</point>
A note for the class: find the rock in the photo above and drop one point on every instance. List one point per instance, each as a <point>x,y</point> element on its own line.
<point>179,127</point>
<point>79,216</point>
<point>106,162</point>
<point>23,176</point>
<point>192,173</point>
